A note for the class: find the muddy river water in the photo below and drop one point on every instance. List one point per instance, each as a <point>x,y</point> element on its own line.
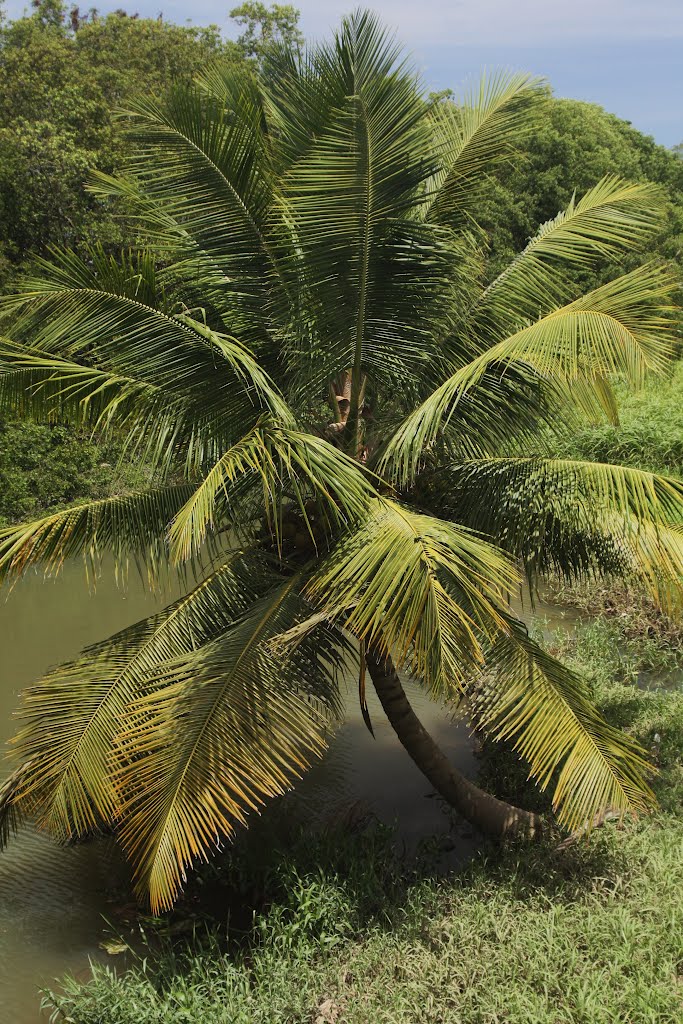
<point>54,901</point>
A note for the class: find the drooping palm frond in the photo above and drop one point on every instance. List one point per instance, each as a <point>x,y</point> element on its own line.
<point>619,328</point>
<point>544,710</point>
<point>215,734</point>
<point>612,218</point>
<point>288,465</point>
<point>11,815</point>
<point>131,527</point>
<point>44,387</point>
<point>72,717</point>
<point>654,555</point>
<point>426,591</point>
<point>114,313</point>
<point>200,161</point>
<point>472,137</point>
<point>571,517</point>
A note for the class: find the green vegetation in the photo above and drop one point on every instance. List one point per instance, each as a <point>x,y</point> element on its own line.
<point>572,145</point>
<point>63,76</point>
<point>649,433</point>
<point>320,343</point>
<point>178,396</point>
<point>343,933</point>
<point>47,467</point>
<point>589,938</point>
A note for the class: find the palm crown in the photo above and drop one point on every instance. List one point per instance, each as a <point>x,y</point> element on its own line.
<point>309,360</point>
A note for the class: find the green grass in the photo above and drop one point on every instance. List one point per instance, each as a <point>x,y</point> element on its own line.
<point>337,930</point>
<point>530,937</point>
<point>650,433</point>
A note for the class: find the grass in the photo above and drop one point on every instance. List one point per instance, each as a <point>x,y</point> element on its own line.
<point>337,931</point>
<point>529,937</point>
<point>650,433</point>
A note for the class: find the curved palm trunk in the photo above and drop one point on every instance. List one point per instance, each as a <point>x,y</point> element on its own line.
<point>491,816</point>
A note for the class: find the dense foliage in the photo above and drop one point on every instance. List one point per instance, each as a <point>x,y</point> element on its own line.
<point>572,145</point>
<point>63,77</point>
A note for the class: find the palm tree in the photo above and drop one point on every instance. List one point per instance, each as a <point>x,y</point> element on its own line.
<point>347,427</point>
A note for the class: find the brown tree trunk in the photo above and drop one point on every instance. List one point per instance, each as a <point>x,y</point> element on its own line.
<point>491,816</point>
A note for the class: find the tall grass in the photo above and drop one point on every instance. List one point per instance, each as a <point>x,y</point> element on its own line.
<point>650,433</point>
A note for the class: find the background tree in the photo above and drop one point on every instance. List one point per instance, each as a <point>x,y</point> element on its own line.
<point>265,25</point>
<point>63,76</point>
<point>316,224</point>
<point>571,146</point>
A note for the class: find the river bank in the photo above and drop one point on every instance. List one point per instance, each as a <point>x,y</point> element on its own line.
<point>340,930</point>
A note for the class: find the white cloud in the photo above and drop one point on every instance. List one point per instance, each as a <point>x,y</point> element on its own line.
<point>512,22</point>
<point>456,23</point>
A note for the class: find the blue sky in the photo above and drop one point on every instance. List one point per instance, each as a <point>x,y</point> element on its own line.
<point>626,55</point>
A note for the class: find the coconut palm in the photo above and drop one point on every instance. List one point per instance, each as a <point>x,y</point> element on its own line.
<point>346,425</point>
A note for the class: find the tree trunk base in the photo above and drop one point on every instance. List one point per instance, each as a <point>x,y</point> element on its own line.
<point>491,816</point>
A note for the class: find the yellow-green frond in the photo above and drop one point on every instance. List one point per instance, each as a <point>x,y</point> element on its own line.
<point>285,463</point>
<point>216,734</point>
<point>619,328</point>
<point>70,720</point>
<point>543,709</point>
<point>427,591</point>
<point>612,218</point>
<point>475,135</point>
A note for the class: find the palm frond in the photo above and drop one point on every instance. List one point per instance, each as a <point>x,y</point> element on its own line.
<point>612,218</point>
<point>544,710</point>
<point>44,387</point>
<point>290,466</point>
<point>571,517</point>
<point>130,526</point>
<point>426,591</point>
<point>72,717</point>
<point>117,311</point>
<point>200,161</point>
<point>473,136</point>
<point>11,813</point>
<point>619,328</point>
<point>217,733</point>
<point>347,202</point>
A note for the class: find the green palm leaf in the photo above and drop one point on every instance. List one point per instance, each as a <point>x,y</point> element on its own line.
<point>348,199</point>
<point>131,526</point>
<point>617,328</point>
<point>474,135</point>
<point>570,516</point>
<point>544,710</point>
<point>72,717</point>
<point>217,733</point>
<point>119,311</point>
<point>288,465</point>
<point>201,162</point>
<point>612,218</point>
<point>45,387</point>
<point>425,591</point>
